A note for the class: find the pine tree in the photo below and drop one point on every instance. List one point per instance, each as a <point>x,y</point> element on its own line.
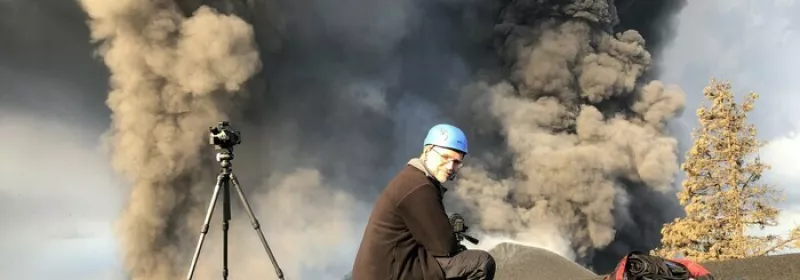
<point>721,194</point>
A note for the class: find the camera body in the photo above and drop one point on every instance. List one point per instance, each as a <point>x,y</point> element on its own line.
<point>460,229</point>
<point>224,136</point>
<point>457,221</point>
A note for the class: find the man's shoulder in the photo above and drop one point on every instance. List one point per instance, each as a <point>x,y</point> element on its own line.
<point>405,181</point>
<point>409,175</point>
<point>409,180</point>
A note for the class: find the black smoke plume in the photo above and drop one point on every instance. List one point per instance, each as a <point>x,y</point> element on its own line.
<point>586,166</point>
<point>332,97</point>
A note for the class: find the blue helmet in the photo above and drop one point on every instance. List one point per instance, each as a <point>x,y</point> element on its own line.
<point>447,136</point>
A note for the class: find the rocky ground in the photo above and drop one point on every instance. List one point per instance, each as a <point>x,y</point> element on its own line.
<point>516,262</point>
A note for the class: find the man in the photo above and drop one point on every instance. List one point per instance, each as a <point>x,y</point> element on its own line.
<point>409,235</point>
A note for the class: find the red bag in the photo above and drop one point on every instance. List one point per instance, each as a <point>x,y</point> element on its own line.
<point>641,266</point>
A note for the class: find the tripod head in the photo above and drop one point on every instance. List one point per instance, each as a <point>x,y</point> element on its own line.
<point>224,137</point>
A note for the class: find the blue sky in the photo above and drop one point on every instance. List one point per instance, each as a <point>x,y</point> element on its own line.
<point>55,224</point>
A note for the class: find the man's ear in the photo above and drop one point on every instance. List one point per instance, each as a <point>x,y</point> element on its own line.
<point>425,150</point>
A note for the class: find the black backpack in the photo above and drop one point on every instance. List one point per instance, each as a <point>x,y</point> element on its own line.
<point>640,266</point>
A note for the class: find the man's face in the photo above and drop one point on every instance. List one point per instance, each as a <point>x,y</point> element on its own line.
<point>443,163</point>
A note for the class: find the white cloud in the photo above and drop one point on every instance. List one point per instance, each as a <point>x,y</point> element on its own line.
<point>58,200</point>
<point>783,154</point>
<point>788,219</point>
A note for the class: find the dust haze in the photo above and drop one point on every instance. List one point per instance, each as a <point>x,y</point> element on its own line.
<point>170,76</point>
<point>331,102</point>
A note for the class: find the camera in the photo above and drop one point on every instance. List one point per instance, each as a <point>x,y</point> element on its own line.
<point>460,229</point>
<point>223,135</point>
<point>457,221</point>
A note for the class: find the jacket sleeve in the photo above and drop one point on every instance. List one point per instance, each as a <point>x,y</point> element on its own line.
<point>424,214</point>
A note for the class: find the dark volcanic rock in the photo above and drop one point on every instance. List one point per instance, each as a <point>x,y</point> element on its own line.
<point>773,267</point>
<point>518,262</point>
<point>521,262</point>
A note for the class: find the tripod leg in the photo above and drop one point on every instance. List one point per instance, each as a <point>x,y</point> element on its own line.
<point>204,230</point>
<point>226,218</point>
<point>235,182</point>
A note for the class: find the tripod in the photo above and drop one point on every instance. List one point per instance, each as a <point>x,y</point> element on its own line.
<point>224,138</point>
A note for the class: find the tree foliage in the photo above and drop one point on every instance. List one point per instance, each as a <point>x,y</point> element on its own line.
<point>721,194</point>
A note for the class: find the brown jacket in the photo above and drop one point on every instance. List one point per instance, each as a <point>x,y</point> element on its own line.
<point>407,229</point>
